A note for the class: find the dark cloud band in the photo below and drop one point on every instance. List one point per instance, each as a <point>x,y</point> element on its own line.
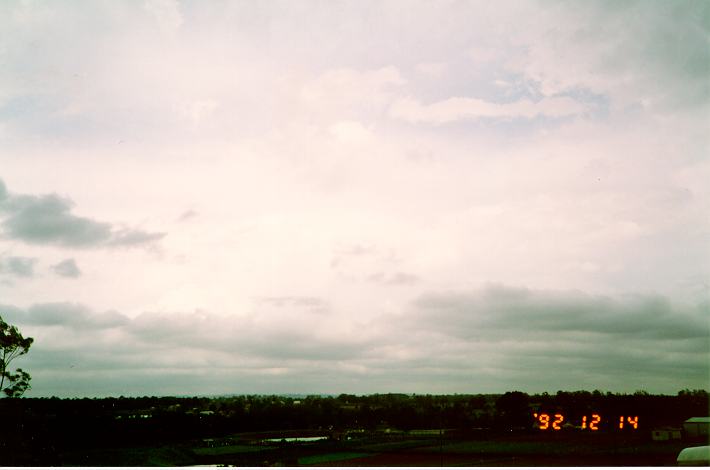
<point>497,338</point>
<point>48,220</point>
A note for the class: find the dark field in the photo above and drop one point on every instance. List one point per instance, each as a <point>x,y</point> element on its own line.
<point>348,430</point>
<point>402,450</point>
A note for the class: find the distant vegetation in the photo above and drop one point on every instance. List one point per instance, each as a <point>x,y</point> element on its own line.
<point>45,431</point>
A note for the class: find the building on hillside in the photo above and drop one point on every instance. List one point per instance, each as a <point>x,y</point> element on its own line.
<point>697,427</point>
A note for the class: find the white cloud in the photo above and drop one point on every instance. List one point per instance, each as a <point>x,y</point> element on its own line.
<point>350,131</point>
<point>484,54</point>
<point>197,111</point>
<point>167,13</point>
<point>432,69</point>
<point>348,94</point>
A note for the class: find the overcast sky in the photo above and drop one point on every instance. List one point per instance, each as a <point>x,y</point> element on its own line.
<point>351,196</point>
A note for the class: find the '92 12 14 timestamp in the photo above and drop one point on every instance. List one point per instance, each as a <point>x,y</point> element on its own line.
<point>592,422</point>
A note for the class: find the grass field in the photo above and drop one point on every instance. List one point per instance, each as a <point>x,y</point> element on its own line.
<point>527,451</point>
<point>327,459</point>
<point>129,457</point>
<point>508,450</point>
<point>233,449</point>
<point>392,445</point>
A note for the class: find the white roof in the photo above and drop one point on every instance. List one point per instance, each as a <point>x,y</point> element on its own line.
<point>698,420</point>
<point>694,456</point>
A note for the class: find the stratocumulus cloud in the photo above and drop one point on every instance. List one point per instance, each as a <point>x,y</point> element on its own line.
<point>502,310</point>
<point>499,335</point>
<point>67,268</point>
<point>48,220</point>
<point>19,266</point>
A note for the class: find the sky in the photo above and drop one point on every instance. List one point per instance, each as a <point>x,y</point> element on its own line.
<point>356,196</point>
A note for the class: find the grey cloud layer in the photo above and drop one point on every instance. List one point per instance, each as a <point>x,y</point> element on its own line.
<point>63,314</point>
<point>507,310</point>
<point>495,339</point>
<point>47,220</point>
<point>67,268</point>
<point>593,340</point>
<point>19,266</point>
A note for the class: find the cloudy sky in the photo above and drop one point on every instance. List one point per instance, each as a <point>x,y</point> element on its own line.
<point>352,196</point>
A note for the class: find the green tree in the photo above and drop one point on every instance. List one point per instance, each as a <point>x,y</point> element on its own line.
<point>12,346</point>
<point>514,409</point>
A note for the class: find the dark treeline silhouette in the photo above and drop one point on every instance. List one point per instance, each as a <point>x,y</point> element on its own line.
<point>37,431</point>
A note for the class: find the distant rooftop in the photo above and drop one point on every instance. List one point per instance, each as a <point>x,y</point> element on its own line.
<point>704,419</point>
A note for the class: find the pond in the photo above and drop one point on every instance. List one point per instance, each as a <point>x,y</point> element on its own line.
<point>297,439</point>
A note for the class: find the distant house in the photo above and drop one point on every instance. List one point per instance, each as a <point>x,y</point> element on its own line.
<point>426,432</point>
<point>697,427</point>
<point>134,414</point>
<point>208,443</point>
<point>666,434</point>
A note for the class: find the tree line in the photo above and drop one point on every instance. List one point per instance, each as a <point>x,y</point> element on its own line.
<point>36,427</point>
